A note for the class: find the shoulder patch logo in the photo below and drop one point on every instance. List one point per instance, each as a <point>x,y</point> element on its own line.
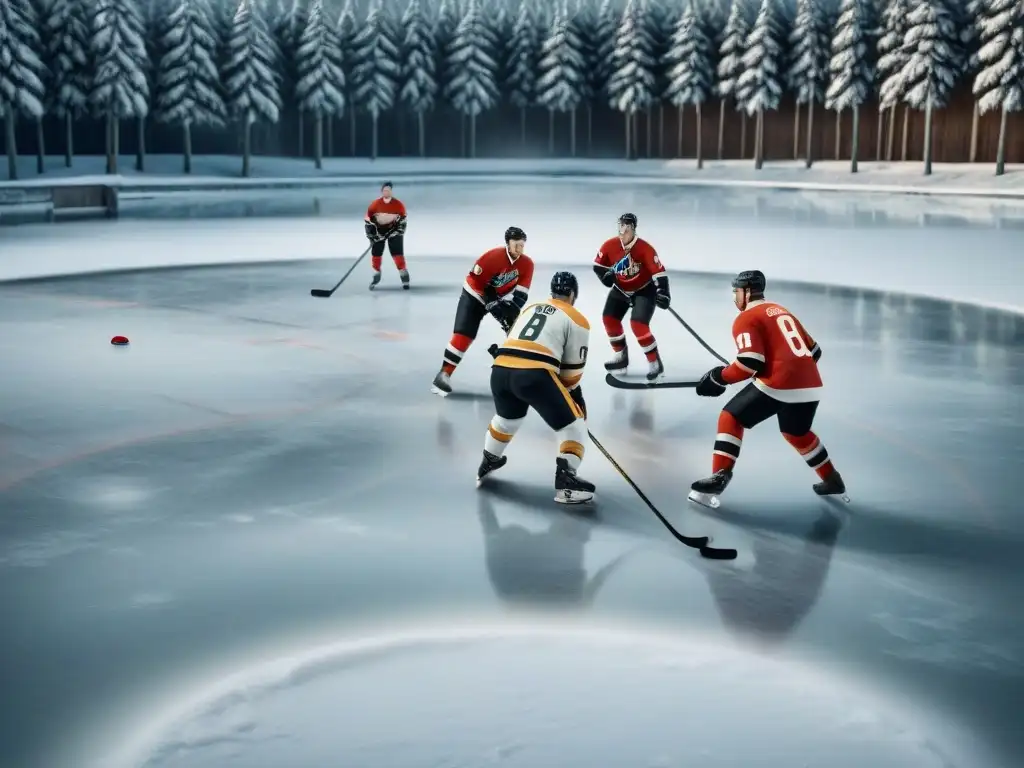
<point>657,260</point>
<point>476,269</point>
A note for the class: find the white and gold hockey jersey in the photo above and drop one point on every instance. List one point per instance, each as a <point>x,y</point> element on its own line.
<point>550,335</point>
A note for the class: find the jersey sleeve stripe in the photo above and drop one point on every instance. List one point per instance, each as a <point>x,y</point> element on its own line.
<point>522,290</point>
<point>573,366</point>
<point>663,273</point>
<point>740,364</point>
<point>751,355</point>
<point>528,346</point>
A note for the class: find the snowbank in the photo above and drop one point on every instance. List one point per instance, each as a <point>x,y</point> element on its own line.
<point>221,172</point>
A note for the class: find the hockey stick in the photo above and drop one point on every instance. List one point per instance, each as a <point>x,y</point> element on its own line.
<point>612,381</point>
<point>696,335</point>
<point>322,293</point>
<point>694,542</point>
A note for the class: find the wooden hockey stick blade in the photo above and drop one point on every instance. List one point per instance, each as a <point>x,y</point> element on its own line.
<point>321,293</point>
<point>620,384</point>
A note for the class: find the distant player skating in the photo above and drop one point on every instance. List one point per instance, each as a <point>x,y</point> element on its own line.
<point>630,267</point>
<point>385,222</point>
<point>780,356</point>
<point>540,366</point>
<point>498,284</point>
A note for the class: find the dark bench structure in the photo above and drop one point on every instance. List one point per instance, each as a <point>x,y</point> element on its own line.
<point>70,202</point>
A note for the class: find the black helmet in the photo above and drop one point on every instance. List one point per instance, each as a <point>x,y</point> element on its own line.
<point>629,219</point>
<point>387,184</point>
<point>565,284</point>
<point>514,233</point>
<point>752,279</point>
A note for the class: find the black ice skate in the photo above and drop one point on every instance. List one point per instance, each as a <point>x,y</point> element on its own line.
<point>657,370</point>
<point>488,465</point>
<point>569,487</point>
<point>442,384</point>
<point>832,485</point>
<point>404,274</point>
<point>619,361</point>
<point>707,491</point>
<point>375,280</point>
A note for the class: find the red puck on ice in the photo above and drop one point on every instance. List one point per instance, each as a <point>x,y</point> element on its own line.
<point>119,341</point>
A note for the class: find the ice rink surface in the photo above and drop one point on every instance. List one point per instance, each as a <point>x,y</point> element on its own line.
<point>259,463</point>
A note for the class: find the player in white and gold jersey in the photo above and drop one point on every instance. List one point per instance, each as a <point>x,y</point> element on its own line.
<point>540,366</point>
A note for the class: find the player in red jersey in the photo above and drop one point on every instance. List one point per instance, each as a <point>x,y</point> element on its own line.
<point>630,267</point>
<point>385,222</point>
<point>781,358</point>
<point>499,284</point>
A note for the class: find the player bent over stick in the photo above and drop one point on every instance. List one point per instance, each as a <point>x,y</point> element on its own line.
<point>630,267</point>
<point>385,222</point>
<point>498,284</point>
<point>774,350</point>
<point>540,366</point>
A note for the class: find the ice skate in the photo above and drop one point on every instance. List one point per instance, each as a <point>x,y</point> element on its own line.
<point>404,275</point>
<point>619,361</point>
<point>657,370</point>
<point>706,492</point>
<point>375,280</point>
<point>832,485</point>
<point>488,465</point>
<point>569,487</point>
<point>442,384</point>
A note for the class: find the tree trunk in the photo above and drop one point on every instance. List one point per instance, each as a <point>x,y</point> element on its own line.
<point>650,115</point>
<point>636,135</point>
<point>352,132</point>
<point>318,142</point>
<point>629,137</point>
<point>373,138</point>
<point>700,131</point>
<point>10,138</point>
<point>472,135</point>
<point>110,122</point>
<point>906,133</point>
<point>721,129</point>
<point>69,140</point>
<point>40,147</point>
<point>302,133</point>
<point>186,140</point>
<point>247,146</point>
<point>551,132</point>
<point>590,128</point>
<point>1001,149</point>
<point>974,132</point>
<point>928,138</point>
<point>679,132</point>
<point>839,132</point>
<point>810,134</point>
<point>796,131</point>
<point>522,127</point>
<point>743,135</point>
<point>855,138</point>
<point>661,130</point>
<point>421,124</point>
<point>879,137</point>
<point>140,146</point>
<point>572,133</point>
<point>759,140</point>
<point>462,135</point>
<point>891,138</point>
<point>115,143</point>
<point>330,135</point>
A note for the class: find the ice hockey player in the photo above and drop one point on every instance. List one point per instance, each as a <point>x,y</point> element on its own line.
<point>499,284</point>
<point>385,222</point>
<point>540,366</point>
<point>781,359</point>
<point>630,267</point>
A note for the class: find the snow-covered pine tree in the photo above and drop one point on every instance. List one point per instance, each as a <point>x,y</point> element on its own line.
<point>932,64</point>
<point>347,29</point>
<point>36,88</point>
<point>583,20</point>
<point>320,88</point>
<point>520,66</point>
<point>250,79</point>
<point>375,71</point>
<point>19,77</point>
<point>446,19</point>
<point>188,81</point>
<point>808,71</point>
<point>285,21</point>
<point>730,66</point>
<point>691,74</point>
<point>850,69</point>
<point>761,79</point>
<point>602,53</point>
<point>999,83</point>
<point>631,83</point>
<point>659,17</point>
<point>561,77</point>
<point>472,89</point>
<point>419,72</point>
<point>892,57</point>
<point>970,42</point>
<point>66,29</point>
<point>120,87</point>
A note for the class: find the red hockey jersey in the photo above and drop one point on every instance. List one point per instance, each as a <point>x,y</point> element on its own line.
<point>642,267</point>
<point>384,212</point>
<point>497,268</point>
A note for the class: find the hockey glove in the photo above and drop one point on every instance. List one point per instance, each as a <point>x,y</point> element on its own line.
<point>577,397</point>
<point>816,353</point>
<point>711,384</point>
<point>605,275</point>
<point>371,231</point>
<point>493,350</point>
<point>398,230</point>
<point>662,298</point>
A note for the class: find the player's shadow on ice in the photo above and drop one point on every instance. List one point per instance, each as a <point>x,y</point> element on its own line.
<point>768,600</point>
<point>418,290</point>
<point>540,569</point>
<point>483,397</point>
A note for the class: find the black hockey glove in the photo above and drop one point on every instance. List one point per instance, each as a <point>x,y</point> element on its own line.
<point>711,384</point>
<point>371,231</point>
<point>398,229</point>
<point>662,298</point>
<point>816,353</point>
<point>577,397</point>
<point>605,275</point>
<point>493,350</point>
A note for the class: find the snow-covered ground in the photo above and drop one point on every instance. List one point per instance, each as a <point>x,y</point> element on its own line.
<point>223,171</point>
